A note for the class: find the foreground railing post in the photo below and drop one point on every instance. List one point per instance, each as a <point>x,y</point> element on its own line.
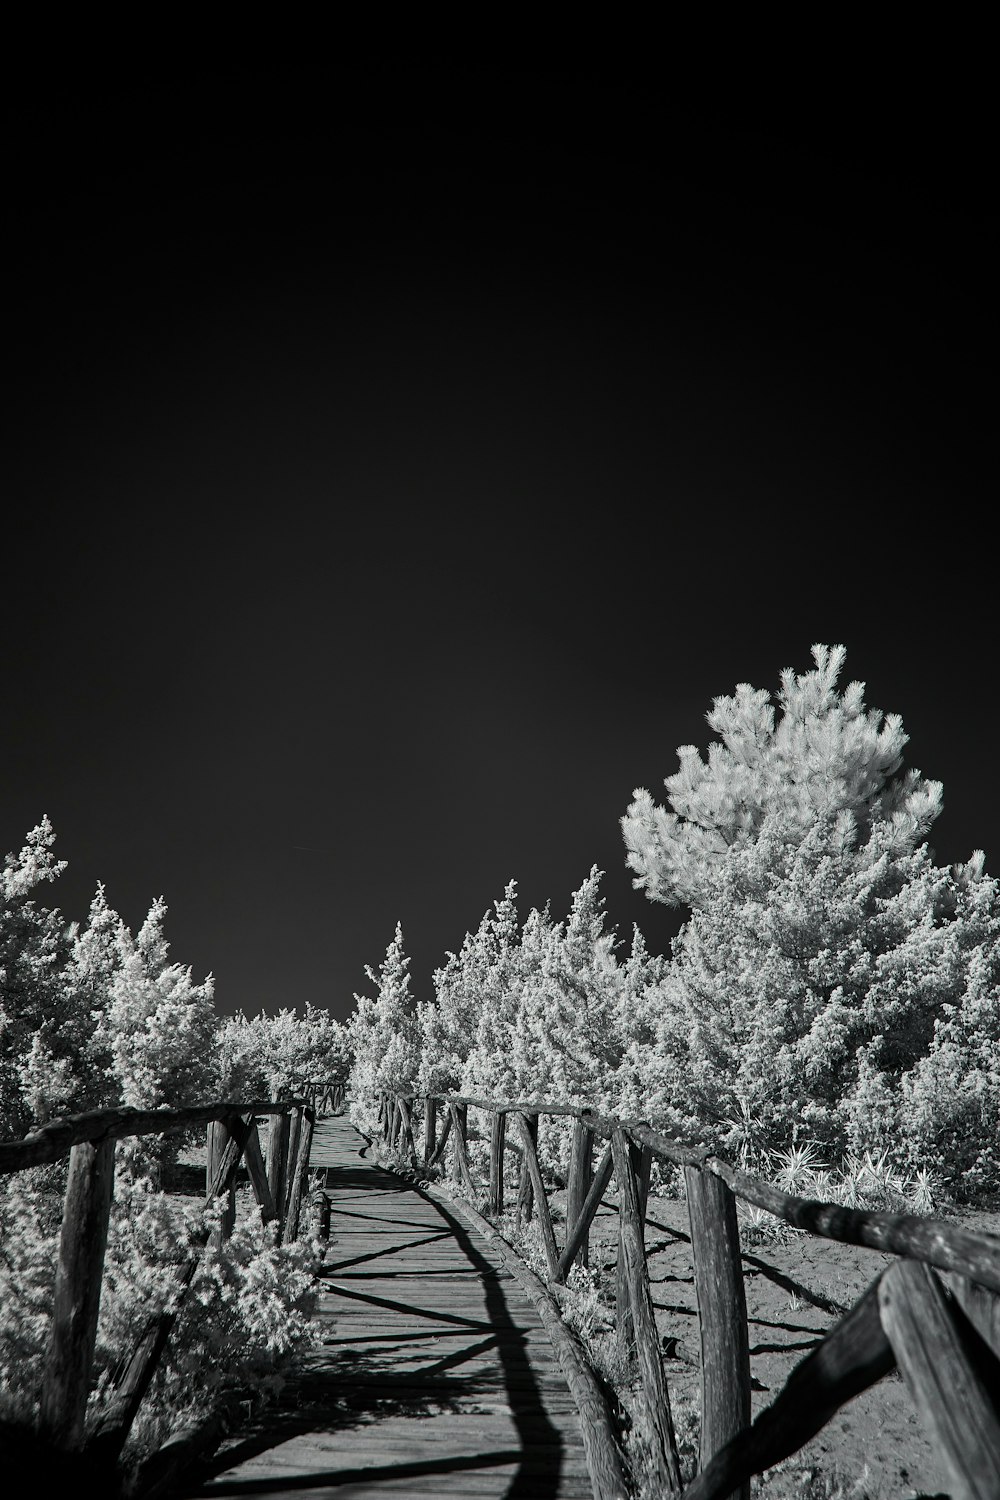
<point>430,1128</point>
<point>640,1158</point>
<point>498,1133</point>
<point>460,1170</point>
<point>77,1298</point>
<point>581,1164</point>
<point>722,1314</point>
<point>300,1174</point>
<point>633,1261</point>
<point>277,1162</point>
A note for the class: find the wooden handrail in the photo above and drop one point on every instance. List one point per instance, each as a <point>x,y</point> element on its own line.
<point>57,1138</point>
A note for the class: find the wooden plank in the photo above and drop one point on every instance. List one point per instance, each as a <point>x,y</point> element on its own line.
<point>952,1376</point>
<point>77,1295</point>
<point>854,1355</point>
<point>654,1384</point>
<point>541,1201</point>
<point>722,1314</point>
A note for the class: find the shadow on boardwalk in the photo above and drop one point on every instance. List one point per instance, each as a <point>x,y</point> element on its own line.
<point>434,1376</point>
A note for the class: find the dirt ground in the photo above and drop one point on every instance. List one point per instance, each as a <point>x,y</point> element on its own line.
<point>795,1292</point>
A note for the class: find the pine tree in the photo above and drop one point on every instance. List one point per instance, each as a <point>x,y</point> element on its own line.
<point>384,1037</point>
<point>825,755</point>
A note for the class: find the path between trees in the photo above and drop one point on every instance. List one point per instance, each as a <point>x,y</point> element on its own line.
<point>435,1375</point>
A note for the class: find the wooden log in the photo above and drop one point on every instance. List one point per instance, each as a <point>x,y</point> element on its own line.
<point>498,1132</point>
<point>647,1347</point>
<point>77,1296</point>
<point>581,1164</point>
<point>591,1204</point>
<point>855,1354</point>
<point>952,1376</point>
<point>55,1140</point>
<point>294,1132</point>
<point>407,1140</point>
<point>319,1218</point>
<point>430,1129</point>
<point>525,1191</point>
<point>300,1176</point>
<point>981,1307</point>
<point>541,1201</point>
<point>604,1462</point>
<point>442,1140</point>
<point>215,1145</point>
<point>277,1163</point>
<point>258,1175</point>
<point>722,1314</point>
<point>460,1170</point>
<point>237,1131</point>
<point>640,1158</point>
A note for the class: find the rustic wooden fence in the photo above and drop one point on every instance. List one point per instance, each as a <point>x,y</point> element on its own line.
<point>943,1337</point>
<point>279,1184</point>
<point>322,1098</point>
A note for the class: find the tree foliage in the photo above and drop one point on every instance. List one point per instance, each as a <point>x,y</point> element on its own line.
<point>824,754</point>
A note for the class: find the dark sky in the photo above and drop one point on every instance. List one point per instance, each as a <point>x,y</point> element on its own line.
<point>395,470</point>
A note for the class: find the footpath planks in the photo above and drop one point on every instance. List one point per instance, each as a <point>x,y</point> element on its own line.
<point>435,1376</point>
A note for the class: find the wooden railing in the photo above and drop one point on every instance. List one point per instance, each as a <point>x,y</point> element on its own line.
<point>279,1184</point>
<point>322,1098</point>
<point>944,1338</point>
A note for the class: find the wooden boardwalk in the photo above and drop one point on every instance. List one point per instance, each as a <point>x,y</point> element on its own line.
<point>435,1376</point>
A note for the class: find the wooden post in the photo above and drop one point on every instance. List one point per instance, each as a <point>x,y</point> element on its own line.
<point>633,1259</point>
<point>640,1158</point>
<point>406,1130</point>
<point>77,1299</point>
<point>277,1163</point>
<point>430,1129</point>
<point>591,1204</point>
<point>581,1162</point>
<point>300,1175</point>
<point>541,1202</point>
<point>498,1133</point>
<point>952,1375</point>
<point>442,1140</point>
<point>460,1169</point>
<point>525,1191</point>
<point>258,1175</point>
<point>294,1132</point>
<point>215,1145</point>
<point>319,1219</point>
<point>722,1314</point>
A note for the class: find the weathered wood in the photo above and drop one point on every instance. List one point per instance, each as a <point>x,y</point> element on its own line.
<point>640,1158</point>
<point>943,1245</point>
<point>56,1139</point>
<point>229,1157</point>
<point>300,1175</point>
<point>442,1139</point>
<point>581,1163</point>
<point>854,1355</point>
<point>277,1163</point>
<point>319,1218</point>
<point>217,1136</point>
<point>498,1133</point>
<point>460,1170</point>
<point>981,1307</point>
<point>591,1204</point>
<point>643,1318</point>
<point>952,1376</point>
<point>407,1139</point>
<point>294,1132</point>
<point>430,1129</point>
<point>77,1297</point>
<point>258,1175</point>
<point>604,1462</point>
<point>722,1314</point>
<point>525,1190</point>
<point>541,1201</point>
